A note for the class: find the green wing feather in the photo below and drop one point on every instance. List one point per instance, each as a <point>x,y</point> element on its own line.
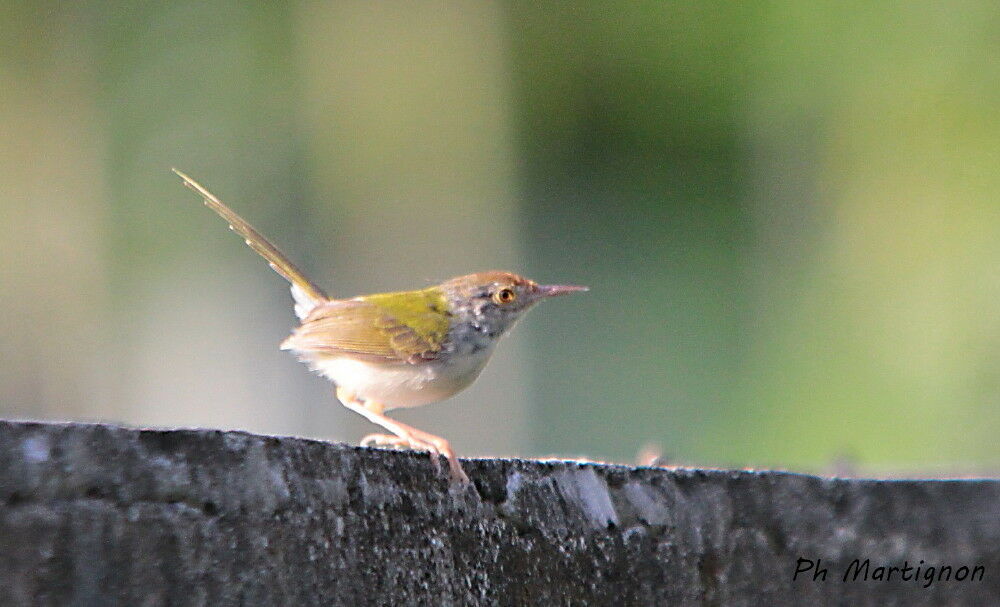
<point>410,326</point>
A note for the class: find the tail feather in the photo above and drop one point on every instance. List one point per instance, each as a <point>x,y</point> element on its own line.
<point>304,303</point>
<point>305,292</point>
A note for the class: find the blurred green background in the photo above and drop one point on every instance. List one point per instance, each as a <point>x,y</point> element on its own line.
<point>787,212</point>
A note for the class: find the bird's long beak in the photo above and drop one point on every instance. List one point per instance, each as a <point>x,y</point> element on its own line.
<point>554,290</point>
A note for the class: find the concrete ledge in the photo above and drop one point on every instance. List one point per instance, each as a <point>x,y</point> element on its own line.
<point>100,515</point>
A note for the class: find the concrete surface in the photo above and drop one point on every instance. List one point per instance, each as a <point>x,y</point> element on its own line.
<point>101,515</point>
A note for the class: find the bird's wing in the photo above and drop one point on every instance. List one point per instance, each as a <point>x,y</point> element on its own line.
<point>394,327</point>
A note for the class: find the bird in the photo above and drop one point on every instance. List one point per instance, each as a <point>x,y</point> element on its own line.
<point>401,349</point>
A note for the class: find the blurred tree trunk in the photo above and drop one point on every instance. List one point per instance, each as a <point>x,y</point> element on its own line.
<point>206,88</point>
<point>53,280</point>
<point>409,143</point>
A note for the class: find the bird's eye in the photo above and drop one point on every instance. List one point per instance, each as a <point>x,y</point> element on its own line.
<point>505,296</point>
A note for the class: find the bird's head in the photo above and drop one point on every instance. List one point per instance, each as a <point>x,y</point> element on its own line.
<point>494,301</point>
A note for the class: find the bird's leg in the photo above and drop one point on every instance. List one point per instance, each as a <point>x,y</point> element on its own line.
<point>405,435</point>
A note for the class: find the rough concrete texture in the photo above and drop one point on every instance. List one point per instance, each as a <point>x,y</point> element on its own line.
<point>99,515</point>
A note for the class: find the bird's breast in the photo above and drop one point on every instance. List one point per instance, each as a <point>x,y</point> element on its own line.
<point>397,384</point>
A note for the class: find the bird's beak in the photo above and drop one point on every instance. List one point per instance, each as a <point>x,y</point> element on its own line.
<point>554,290</point>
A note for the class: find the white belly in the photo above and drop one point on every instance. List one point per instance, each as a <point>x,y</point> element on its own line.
<point>396,385</point>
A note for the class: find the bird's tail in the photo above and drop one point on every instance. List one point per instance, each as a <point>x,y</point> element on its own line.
<point>305,292</point>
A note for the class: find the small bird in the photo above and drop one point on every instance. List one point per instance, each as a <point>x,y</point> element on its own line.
<point>402,349</point>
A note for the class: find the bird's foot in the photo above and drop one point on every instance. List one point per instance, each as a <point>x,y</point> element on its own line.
<point>400,442</point>
<point>421,441</point>
<point>384,440</point>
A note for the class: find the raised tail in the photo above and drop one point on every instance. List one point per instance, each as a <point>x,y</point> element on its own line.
<point>307,295</point>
